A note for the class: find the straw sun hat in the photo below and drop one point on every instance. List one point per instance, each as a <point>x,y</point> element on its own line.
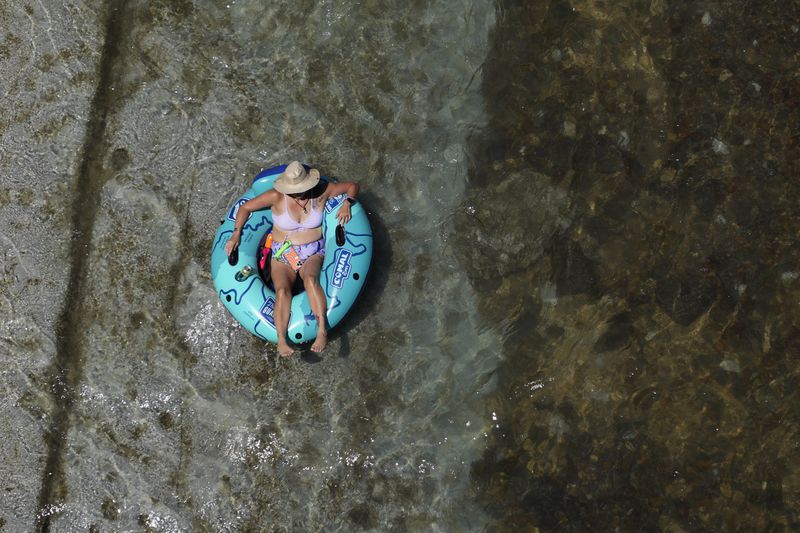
<point>296,179</point>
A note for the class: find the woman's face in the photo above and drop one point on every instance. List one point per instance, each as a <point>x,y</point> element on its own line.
<point>306,195</point>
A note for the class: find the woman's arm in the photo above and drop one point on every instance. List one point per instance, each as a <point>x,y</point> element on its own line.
<point>351,190</point>
<point>262,201</point>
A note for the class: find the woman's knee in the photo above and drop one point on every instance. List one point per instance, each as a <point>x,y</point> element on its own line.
<point>283,293</point>
<point>311,280</point>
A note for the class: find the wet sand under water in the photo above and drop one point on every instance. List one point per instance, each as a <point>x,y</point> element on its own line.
<point>644,158</point>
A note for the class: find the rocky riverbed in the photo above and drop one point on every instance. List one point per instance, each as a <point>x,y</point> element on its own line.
<point>632,226</point>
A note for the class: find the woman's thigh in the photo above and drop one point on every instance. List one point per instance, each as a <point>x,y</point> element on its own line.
<point>282,275</point>
<point>311,268</point>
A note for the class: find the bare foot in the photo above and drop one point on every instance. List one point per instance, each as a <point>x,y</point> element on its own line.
<point>320,342</point>
<point>284,349</point>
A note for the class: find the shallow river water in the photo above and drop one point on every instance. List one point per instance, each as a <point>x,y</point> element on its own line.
<point>583,307</point>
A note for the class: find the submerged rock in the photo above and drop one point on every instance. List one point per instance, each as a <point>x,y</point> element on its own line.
<point>506,227</point>
<point>685,297</point>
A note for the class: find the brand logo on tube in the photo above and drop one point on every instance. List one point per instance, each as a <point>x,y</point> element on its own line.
<point>235,208</point>
<point>268,311</point>
<point>334,202</point>
<point>341,271</point>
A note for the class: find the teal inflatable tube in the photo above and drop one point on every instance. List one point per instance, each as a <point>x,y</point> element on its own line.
<point>252,300</point>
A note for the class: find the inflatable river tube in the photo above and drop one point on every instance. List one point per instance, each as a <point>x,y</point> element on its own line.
<point>251,301</point>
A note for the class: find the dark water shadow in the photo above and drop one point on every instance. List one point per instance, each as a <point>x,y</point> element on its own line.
<point>67,368</point>
<point>377,279</point>
<point>344,344</point>
<point>307,356</point>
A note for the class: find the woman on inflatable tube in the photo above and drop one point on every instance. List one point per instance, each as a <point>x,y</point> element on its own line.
<point>297,202</point>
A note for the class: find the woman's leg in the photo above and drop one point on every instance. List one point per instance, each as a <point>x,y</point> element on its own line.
<point>282,278</point>
<point>316,297</point>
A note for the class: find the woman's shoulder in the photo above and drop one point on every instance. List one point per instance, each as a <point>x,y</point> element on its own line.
<point>273,195</point>
<point>267,198</point>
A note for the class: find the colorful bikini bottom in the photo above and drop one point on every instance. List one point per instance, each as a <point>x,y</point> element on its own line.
<point>298,254</point>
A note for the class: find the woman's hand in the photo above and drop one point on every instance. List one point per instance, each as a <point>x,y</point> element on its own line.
<point>232,244</point>
<point>344,216</point>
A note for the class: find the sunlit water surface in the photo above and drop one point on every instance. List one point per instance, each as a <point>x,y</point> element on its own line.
<point>182,420</point>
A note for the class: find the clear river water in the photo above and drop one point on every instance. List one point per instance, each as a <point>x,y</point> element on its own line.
<point>584,306</point>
